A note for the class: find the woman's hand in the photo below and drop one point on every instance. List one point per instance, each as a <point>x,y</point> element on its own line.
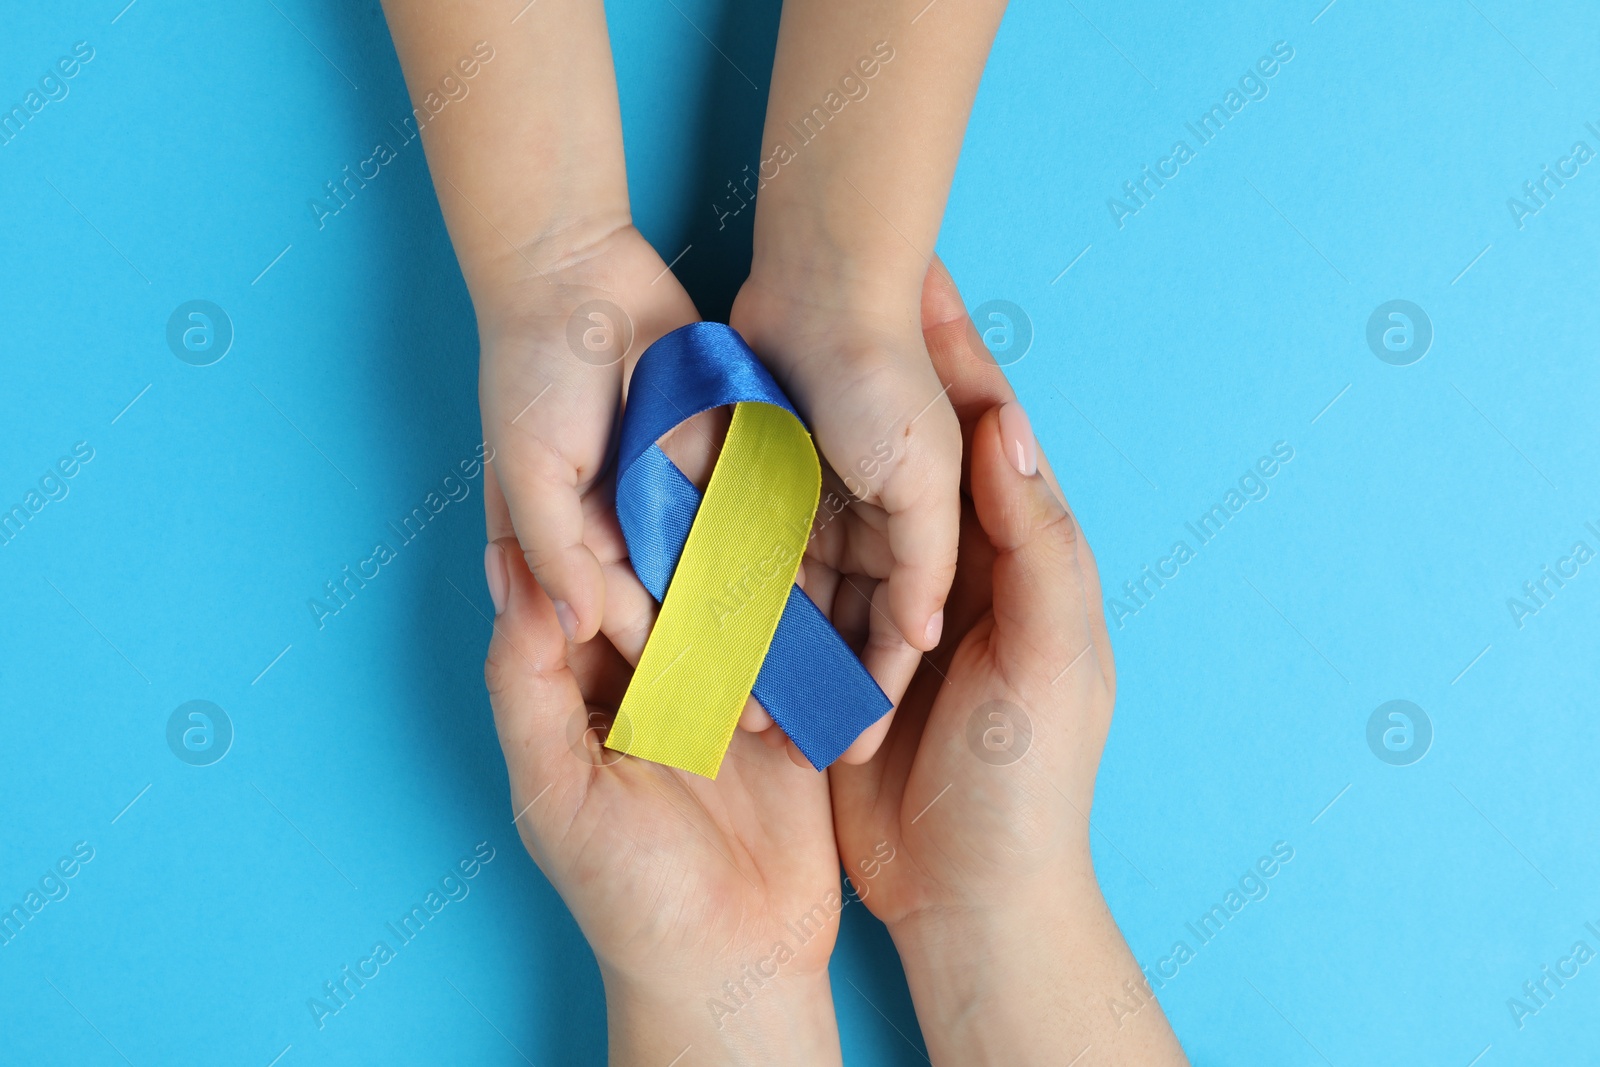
<point>711,906</point>
<point>983,787</point>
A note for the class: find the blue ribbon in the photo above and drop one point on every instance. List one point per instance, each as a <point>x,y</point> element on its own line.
<point>811,683</point>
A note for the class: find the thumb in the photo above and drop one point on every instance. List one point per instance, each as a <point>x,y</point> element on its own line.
<point>1040,607</point>
<point>531,685</point>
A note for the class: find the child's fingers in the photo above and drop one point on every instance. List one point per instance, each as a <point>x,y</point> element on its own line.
<point>922,497</point>
<point>754,717</point>
<point>890,660</point>
<point>850,609</point>
<point>630,611</point>
<point>541,485</point>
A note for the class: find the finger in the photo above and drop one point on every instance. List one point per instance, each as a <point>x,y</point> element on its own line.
<point>892,663</point>
<point>531,684</point>
<point>850,609</point>
<point>959,356</point>
<point>542,487</point>
<point>922,498</point>
<point>797,757</point>
<point>601,530</point>
<point>1039,598</point>
<point>496,513</point>
<point>1089,573</point>
<point>859,541</point>
<point>964,362</point>
<point>630,611</point>
<point>754,717</point>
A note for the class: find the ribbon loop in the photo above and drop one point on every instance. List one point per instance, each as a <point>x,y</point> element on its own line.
<point>732,620</point>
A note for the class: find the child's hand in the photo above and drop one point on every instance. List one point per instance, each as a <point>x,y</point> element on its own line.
<point>860,376</point>
<point>711,906</point>
<point>554,334</point>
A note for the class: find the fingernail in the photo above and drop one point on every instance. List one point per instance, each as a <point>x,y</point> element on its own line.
<point>568,621</point>
<point>494,572</point>
<point>935,628</point>
<point>1016,433</point>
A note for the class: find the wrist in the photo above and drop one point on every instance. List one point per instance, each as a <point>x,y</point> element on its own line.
<point>531,264</point>
<point>1003,984</point>
<point>837,252</point>
<point>733,1019</point>
<point>855,315</point>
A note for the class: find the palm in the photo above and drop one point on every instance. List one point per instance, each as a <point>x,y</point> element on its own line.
<point>705,871</point>
<point>992,754</point>
<point>956,786</point>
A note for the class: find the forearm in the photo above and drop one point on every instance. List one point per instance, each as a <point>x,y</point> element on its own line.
<point>1037,982</point>
<point>527,159</point>
<point>864,125</point>
<point>785,1021</point>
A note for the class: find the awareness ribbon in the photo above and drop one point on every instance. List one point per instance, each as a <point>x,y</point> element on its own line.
<point>732,620</point>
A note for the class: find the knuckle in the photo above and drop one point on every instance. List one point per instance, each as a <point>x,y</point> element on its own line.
<point>1060,526</point>
<point>496,672</point>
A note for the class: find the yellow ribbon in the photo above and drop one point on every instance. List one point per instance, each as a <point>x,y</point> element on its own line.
<point>726,596</point>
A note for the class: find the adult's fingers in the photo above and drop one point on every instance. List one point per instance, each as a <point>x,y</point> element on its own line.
<point>1041,609</point>
<point>496,512</point>
<point>963,362</point>
<point>531,684</point>
<point>976,382</point>
<point>976,385</point>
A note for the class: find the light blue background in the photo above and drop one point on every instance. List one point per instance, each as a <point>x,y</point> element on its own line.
<point>1224,317</point>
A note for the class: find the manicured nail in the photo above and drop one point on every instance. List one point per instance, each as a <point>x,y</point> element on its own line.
<point>935,628</point>
<point>568,621</point>
<point>494,572</point>
<point>1016,433</point>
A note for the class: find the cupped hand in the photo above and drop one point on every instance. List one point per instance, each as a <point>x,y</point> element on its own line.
<point>983,785</point>
<point>886,539</point>
<point>711,906</point>
<point>557,338</point>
